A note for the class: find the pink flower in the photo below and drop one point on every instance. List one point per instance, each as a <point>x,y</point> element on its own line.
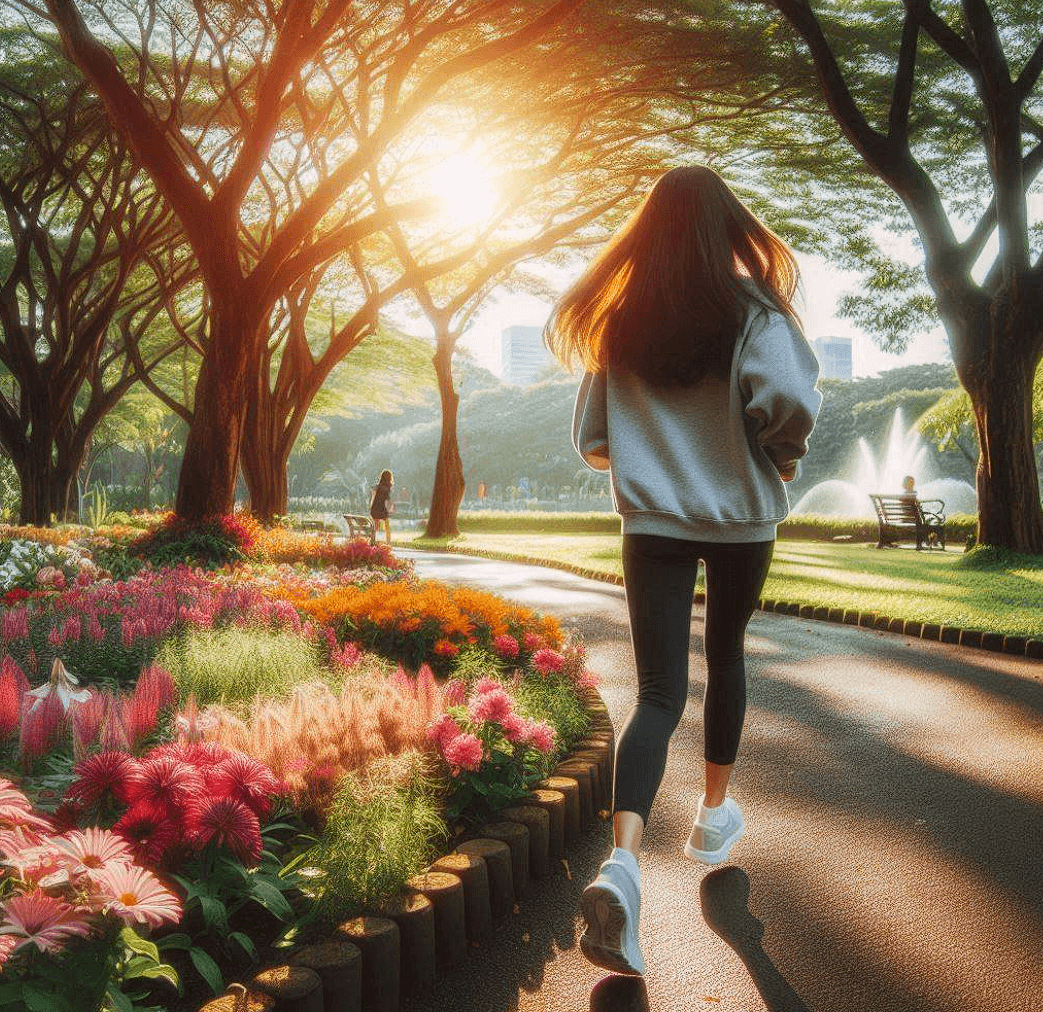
<point>49,577</point>
<point>14,624</point>
<point>493,705</point>
<point>515,728</point>
<point>15,809</point>
<point>487,685</point>
<point>42,920</point>
<point>228,823</point>
<point>464,751</point>
<point>135,895</point>
<point>547,661</point>
<point>506,646</point>
<point>86,851</point>
<point>541,736</point>
<point>42,728</point>
<point>442,730</point>
<point>532,641</point>
<point>454,692</point>
<point>87,720</point>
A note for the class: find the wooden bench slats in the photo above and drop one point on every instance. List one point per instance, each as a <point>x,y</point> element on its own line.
<point>903,518</point>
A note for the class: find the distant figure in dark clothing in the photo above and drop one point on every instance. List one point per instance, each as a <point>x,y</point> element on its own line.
<point>380,506</point>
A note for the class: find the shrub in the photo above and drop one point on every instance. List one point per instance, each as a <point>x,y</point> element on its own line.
<point>992,558</point>
<point>212,543</point>
<point>232,664</point>
<point>383,828</point>
<point>281,545</point>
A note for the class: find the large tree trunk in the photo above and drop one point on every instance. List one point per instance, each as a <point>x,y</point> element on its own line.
<point>206,486</point>
<point>1009,513</point>
<point>449,472</point>
<point>999,382</point>
<point>265,456</point>
<point>48,489</point>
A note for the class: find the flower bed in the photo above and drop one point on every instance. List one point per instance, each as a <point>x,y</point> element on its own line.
<point>250,803</point>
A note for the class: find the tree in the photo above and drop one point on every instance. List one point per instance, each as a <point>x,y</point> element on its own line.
<point>214,98</point>
<point>90,264</point>
<point>939,102</point>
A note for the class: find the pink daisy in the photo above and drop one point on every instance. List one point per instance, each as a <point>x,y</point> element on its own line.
<point>86,851</point>
<point>229,823</point>
<point>42,920</point>
<point>15,809</point>
<point>465,751</point>
<point>135,895</point>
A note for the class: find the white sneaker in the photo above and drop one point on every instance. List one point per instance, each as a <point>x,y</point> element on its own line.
<point>715,832</point>
<point>611,905</point>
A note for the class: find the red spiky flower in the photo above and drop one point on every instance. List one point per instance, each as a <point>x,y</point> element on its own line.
<point>228,823</point>
<point>105,774</point>
<point>245,779</point>
<point>164,783</point>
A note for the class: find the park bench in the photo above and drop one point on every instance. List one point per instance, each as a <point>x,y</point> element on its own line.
<point>360,526</point>
<point>904,518</point>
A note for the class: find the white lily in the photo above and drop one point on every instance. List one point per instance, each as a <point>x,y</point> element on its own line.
<point>63,684</point>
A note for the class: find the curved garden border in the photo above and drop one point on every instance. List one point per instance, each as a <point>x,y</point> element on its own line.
<point>369,962</point>
<point>996,642</point>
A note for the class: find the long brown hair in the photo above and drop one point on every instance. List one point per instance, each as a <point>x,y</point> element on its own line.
<point>666,299</point>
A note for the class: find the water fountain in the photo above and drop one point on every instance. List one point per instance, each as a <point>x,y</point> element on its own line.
<point>904,453</point>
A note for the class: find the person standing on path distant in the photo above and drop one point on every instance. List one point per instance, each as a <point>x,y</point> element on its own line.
<point>699,397</point>
<point>380,507</point>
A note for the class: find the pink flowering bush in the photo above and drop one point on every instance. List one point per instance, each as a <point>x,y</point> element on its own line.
<point>492,754</point>
<point>79,895</point>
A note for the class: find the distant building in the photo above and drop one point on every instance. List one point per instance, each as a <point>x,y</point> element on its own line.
<point>523,354</point>
<point>834,357</point>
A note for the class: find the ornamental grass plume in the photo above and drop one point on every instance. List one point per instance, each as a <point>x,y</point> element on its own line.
<point>13,687</point>
<point>43,726</point>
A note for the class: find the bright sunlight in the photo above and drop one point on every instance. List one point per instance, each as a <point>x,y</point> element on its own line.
<point>462,183</point>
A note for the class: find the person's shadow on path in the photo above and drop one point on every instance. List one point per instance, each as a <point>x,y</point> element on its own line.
<point>619,994</point>
<point>725,896</point>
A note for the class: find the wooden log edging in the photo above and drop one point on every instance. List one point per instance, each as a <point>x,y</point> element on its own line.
<point>1020,646</point>
<point>360,967</point>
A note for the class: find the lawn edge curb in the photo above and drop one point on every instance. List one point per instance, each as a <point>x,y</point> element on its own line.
<point>976,639</point>
<point>600,722</point>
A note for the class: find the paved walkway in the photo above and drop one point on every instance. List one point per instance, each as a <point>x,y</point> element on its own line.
<point>893,862</point>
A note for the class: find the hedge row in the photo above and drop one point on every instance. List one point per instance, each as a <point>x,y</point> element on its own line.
<point>800,527</point>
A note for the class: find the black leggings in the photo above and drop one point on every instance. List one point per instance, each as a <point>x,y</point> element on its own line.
<point>659,574</point>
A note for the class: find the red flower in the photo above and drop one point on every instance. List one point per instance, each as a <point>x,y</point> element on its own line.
<point>149,834</point>
<point>246,780</point>
<point>229,823</point>
<point>107,772</point>
<point>13,686</point>
<point>15,594</point>
<point>163,782</point>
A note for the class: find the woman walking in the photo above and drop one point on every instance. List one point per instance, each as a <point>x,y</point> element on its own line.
<point>380,506</point>
<point>699,397</point>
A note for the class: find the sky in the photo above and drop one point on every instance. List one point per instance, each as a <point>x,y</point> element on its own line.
<point>823,287</point>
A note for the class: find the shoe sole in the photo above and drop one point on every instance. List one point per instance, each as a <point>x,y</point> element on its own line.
<point>606,917</point>
<point>713,856</point>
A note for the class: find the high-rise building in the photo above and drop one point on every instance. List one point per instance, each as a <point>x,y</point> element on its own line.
<point>834,357</point>
<point>523,354</point>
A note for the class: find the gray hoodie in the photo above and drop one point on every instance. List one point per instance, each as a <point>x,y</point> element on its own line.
<point>702,462</point>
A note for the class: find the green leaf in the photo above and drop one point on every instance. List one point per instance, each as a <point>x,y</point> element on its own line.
<point>176,941</point>
<point>40,1001</point>
<point>245,943</point>
<point>207,969</point>
<point>133,941</point>
<point>118,999</point>
<point>214,914</point>
<point>163,971</point>
<point>271,899</point>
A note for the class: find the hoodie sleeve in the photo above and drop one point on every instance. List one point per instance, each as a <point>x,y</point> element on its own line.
<point>777,376</point>
<point>590,421</point>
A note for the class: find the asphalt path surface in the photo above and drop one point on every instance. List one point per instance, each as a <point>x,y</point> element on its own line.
<point>893,858</point>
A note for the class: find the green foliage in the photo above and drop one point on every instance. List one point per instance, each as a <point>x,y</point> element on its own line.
<point>377,835</point>
<point>233,664</point>
<point>10,490</point>
<point>553,699</point>
<point>94,507</point>
<point>222,897</point>
<point>211,543</point>
<point>993,558</point>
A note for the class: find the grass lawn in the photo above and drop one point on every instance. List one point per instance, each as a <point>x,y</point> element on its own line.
<point>898,582</point>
